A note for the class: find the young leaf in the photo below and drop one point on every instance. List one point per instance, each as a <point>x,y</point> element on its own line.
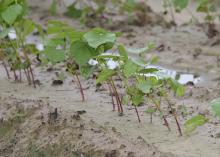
<point>81,52</point>
<point>53,7</point>
<point>73,12</point>
<point>98,36</point>
<point>130,68</point>
<point>215,104</point>
<point>194,122</point>
<point>148,70</point>
<point>122,52</point>
<point>87,70</point>
<point>105,75</point>
<point>144,86</point>
<point>180,4</point>
<point>54,55</point>
<point>11,13</point>
<point>137,99</point>
<point>149,47</point>
<point>150,110</point>
<point>180,91</point>
<point>4,33</point>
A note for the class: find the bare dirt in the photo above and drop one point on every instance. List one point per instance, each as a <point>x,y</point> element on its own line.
<point>100,131</point>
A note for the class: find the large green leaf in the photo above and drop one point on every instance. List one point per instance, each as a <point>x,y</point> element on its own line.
<point>105,75</point>
<point>216,107</point>
<point>130,68</point>
<point>11,13</point>
<point>81,52</point>
<point>98,36</point>
<point>194,122</point>
<point>54,55</point>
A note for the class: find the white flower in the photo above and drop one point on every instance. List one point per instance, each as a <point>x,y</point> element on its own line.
<point>12,34</point>
<point>40,46</point>
<point>112,64</point>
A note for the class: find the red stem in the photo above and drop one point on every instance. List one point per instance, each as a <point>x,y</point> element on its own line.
<point>111,93</point>
<point>136,110</point>
<point>117,96</point>
<point>164,117</point>
<point>175,116</point>
<point>32,76</point>
<point>26,71</point>
<point>80,86</point>
<point>15,75</point>
<point>6,69</point>
<point>178,125</point>
<point>20,77</point>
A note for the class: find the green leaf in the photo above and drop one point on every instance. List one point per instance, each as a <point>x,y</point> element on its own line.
<point>11,13</point>
<point>24,27</point>
<point>122,51</point>
<point>87,70</point>
<point>81,52</point>
<point>73,12</point>
<point>180,91</point>
<point>29,27</point>
<point>137,99</point>
<point>150,110</point>
<point>4,33</point>
<point>129,6</point>
<point>194,122</point>
<point>180,4</point>
<point>53,7</point>
<point>149,47</point>
<point>148,70</point>
<point>130,68</point>
<point>105,75</point>
<point>98,36</point>
<point>154,60</point>
<point>144,86</point>
<point>215,104</point>
<point>54,55</point>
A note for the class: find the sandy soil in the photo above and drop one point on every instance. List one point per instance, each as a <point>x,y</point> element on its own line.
<point>106,134</point>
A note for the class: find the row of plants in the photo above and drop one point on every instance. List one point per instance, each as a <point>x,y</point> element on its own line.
<point>86,10</point>
<point>77,49</point>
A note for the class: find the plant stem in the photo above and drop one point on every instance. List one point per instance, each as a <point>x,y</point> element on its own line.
<point>178,125</point>
<point>136,110</point>
<point>28,76</point>
<point>112,96</point>
<point>172,13</point>
<point>20,77</point>
<point>15,75</point>
<point>164,117</point>
<point>31,71</point>
<point>151,118</point>
<point>174,115</point>
<point>6,69</point>
<point>117,96</point>
<point>32,76</point>
<point>80,86</point>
